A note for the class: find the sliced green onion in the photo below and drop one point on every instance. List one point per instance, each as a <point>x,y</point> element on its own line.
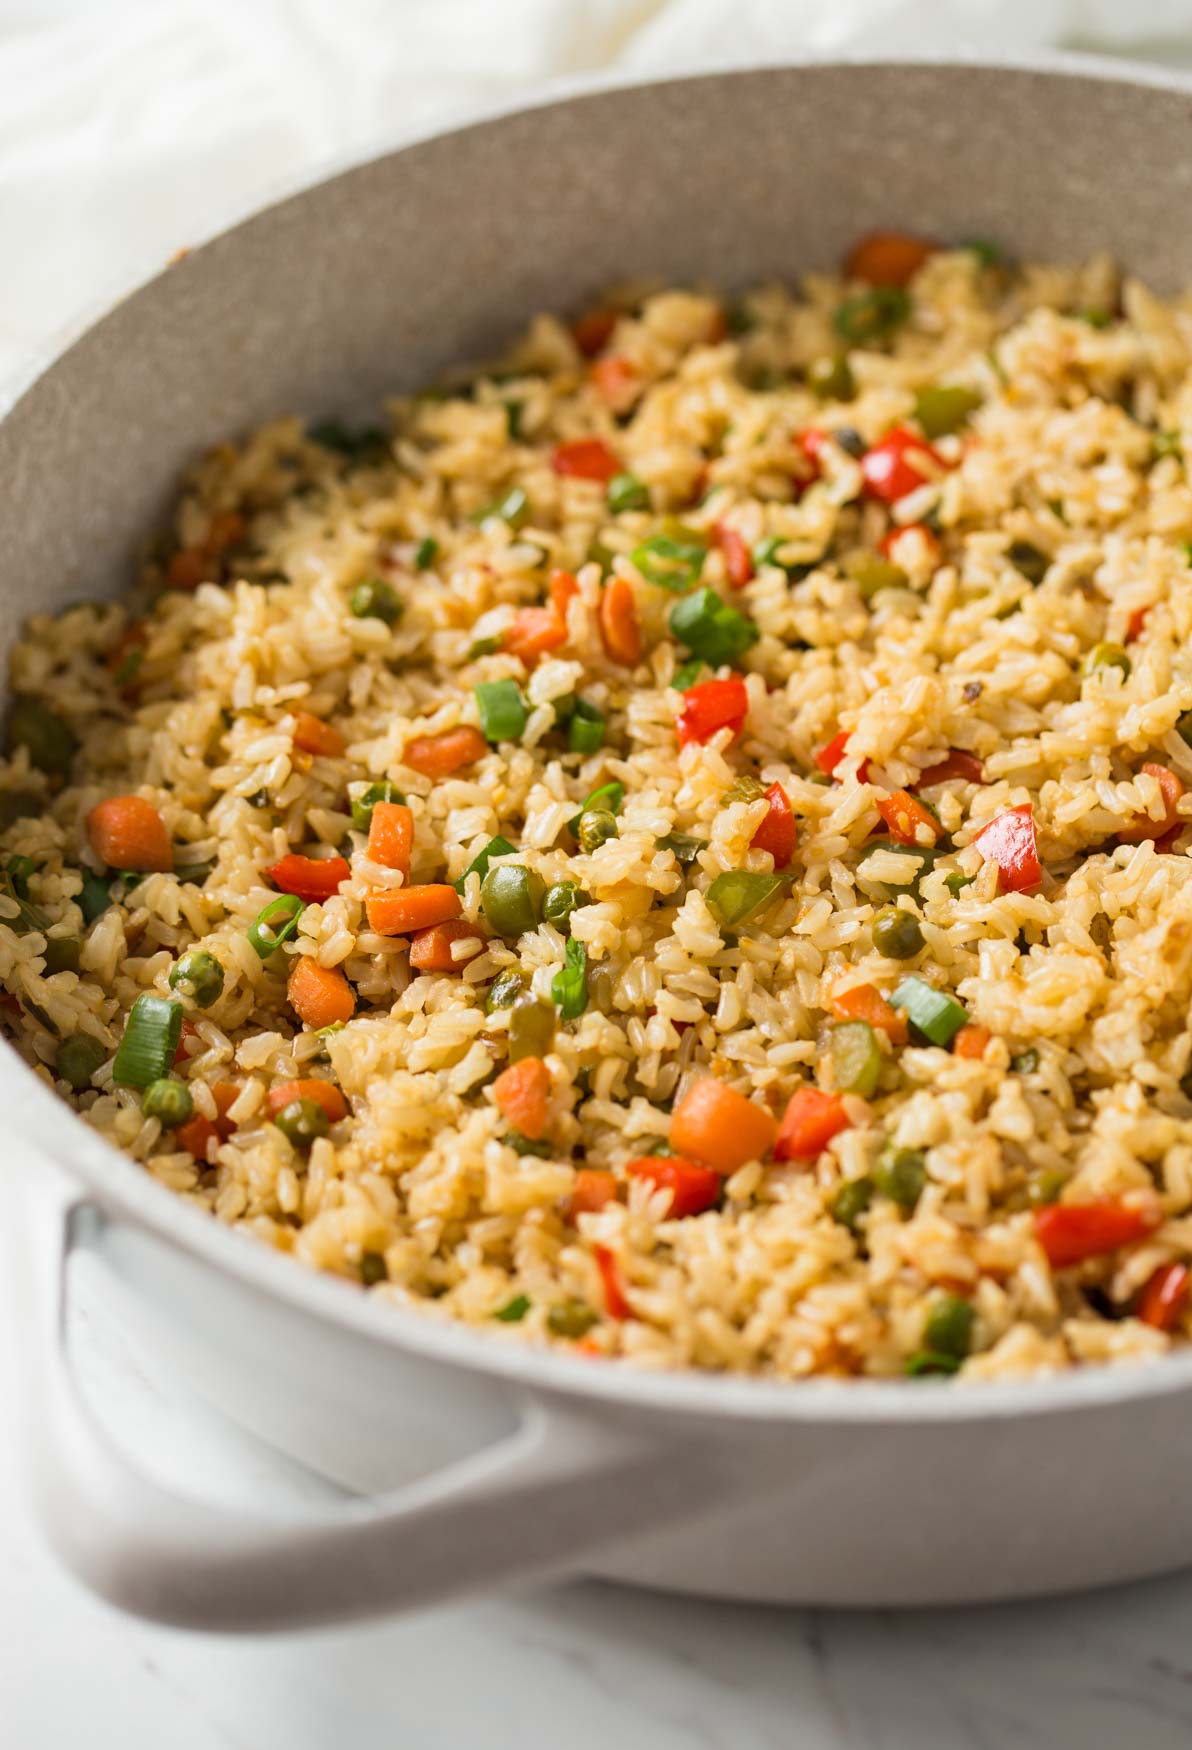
<point>585,731</point>
<point>497,847</point>
<point>62,954</point>
<point>739,894</point>
<point>513,509</point>
<point>29,916</point>
<point>682,847</point>
<point>374,599</point>
<point>606,796</point>
<point>513,420</point>
<point>944,407</point>
<point>746,788</point>
<point>856,1058</point>
<point>872,315</point>
<point>569,987</point>
<point>274,924</point>
<point>627,492</point>
<point>926,1361</point>
<point>933,1012</point>
<point>502,710</point>
<point>150,1042</point>
<point>363,805</point>
<point>513,1310</point>
<point>94,898</point>
<point>672,560</point>
<point>711,629</point>
<point>425,553</point>
<point>485,647</point>
<point>688,673</point>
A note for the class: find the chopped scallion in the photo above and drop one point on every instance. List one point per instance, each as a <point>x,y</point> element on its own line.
<point>711,629</point>
<point>502,710</point>
<point>585,731</point>
<point>147,1049</point>
<point>274,924</point>
<point>497,847</point>
<point>933,1012</point>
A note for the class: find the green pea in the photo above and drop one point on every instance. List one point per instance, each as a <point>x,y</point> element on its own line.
<point>948,1327</point>
<point>831,378</point>
<point>506,987</point>
<point>62,954</point>
<point>900,1175</point>
<point>1107,656</point>
<point>596,827</point>
<point>897,933</point>
<point>943,408</point>
<point>79,1056</point>
<point>373,1268</point>
<point>198,975</point>
<point>511,899</point>
<point>1045,1188</point>
<point>169,1101</point>
<point>45,737</point>
<point>871,574</point>
<point>851,1201</point>
<point>374,599</point>
<point>302,1121</point>
<point>561,900</point>
<point>1026,1062</point>
<point>531,1028</point>
<point>571,1318</point>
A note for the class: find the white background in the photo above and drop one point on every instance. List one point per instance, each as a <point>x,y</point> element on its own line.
<point>127,129</point>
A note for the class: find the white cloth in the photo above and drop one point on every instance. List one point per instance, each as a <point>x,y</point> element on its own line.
<point>131,127</point>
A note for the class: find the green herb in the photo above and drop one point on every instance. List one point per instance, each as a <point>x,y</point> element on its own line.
<point>95,897</point>
<point>585,730</point>
<point>502,710</point>
<point>150,1041</point>
<point>740,894</point>
<point>78,1058</point>
<point>274,924</point>
<point>374,599</point>
<point>609,796</point>
<point>687,674</point>
<point>497,847</point>
<point>531,1028</point>
<point>943,408</point>
<point>933,1012</point>
<point>672,561</point>
<point>363,805</point>
<point>711,629</point>
<point>627,492</point>
<point>851,1201</point>
<point>872,315</point>
<point>831,378</point>
<point>513,509</point>
<point>425,553</point>
<point>513,1310</point>
<point>856,1058</point>
<point>569,987</point>
<point>511,899</point>
<point>683,848</point>
<point>169,1101</point>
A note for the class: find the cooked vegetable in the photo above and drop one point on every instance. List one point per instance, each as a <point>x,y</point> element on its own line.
<point>864,1002</point>
<point>812,1118</point>
<point>607,796</point>
<point>856,1058</point>
<point>505,989</point>
<point>62,954</point>
<point>438,756</point>
<point>900,1174</point>
<point>502,710</point>
<point>374,599</point>
<point>127,832</point>
<point>425,553</point>
<point>831,378</point>
<point>496,847</point>
<point>592,1190</point>
<point>586,459</point>
<point>1071,1232</point>
<point>511,899</point>
<point>533,633</point>
<point>373,1269</point>
<point>711,629</point>
<point>948,1327</point>
<point>314,736</point>
<point>433,950</point>
<point>887,258</point>
<point>560,900</point>
<point>400,911</point>
<point>514,1311</point>
<point>302,1122</point>
<point>522,1093</point>
<point>778,830</point>
<point>710,706</point>
<point>693,1188</point>
<point>1103,656</point>
<point>738,559</point>
<point>169,1101</point>
<point>319,995</point>
<point>682,847</point>
<point>1030,560</point>
<point>275,923</point>
<point>311,879</point>
<point>868,318</point>
<point>715,1124</point>
<point>971,1041</point>
<point>907,818</point>
<point>957,764</point>
<point>616,382</point>
<point>78,1057</point>
<point>513,509</point>
<point>571,1318</point>
<point>830,756</point>
<point>620,626</point>
<point>390,836</point>
<point>673,559</point>
<point>199,976</point>
<point>324,1094</point>
<point>739,894</point>
<point>897,933</point>
<point>1164,1296</point>
<point>362,806</point>
<point>850,1202</point>
<point>569,986</point>
<point>943,408</point>
<point>586,728</point>
<point>1009,841</point>
<point>147,1049</point>
<point>871,574</point>
<point>1145,826</point>
<point>531,1028</point>
<point>596,827</point>
<point>932,1012</point>
<point>627,492</point>
<point>615,1303</point>
<point>901,463</point>
<point>49,744</point>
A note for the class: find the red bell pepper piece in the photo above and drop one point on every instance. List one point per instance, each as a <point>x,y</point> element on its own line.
<point>829,757</point>
<point>310,878</point>
<point>901,463</point>
<point>909,822</point>
<point>615,1303</point>
<point>1144,827</point>
<point>1135,623</point>
<point>738,560</point>
<point>1164,1296</point>
<point>586,459</point>
<point>778,830</point>
<point>811,1120</point>
<point>1009,841</point>
<point>693,1188</point>
<point>958,764</point>
<point>712,705</point>
<point>1071,1232</point>
<point>189,1032</point>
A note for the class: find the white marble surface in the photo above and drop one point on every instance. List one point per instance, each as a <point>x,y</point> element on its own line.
<point>126,129</point>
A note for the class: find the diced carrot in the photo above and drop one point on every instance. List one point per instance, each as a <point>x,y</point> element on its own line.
<point>616,382</point>
<point>402,911</point>
<point>971,1041</point>
<point>812,1118</point>
<point>312,735</point>
<point>127,832</point>
<point>615,1304</point>
<point>693,1188</point>
<point>586,459</point>
<point>620,627</point>
<point>1145,826</point>
<point>313,879</point>
<point>391,835</point>
<point>226,529</point>
<point>562,589</point>
<point>430,950</point>
<point>324,1094</point>
<point>715,1124</point>
<point>887,258</point>
<point>593,330</point>
<point>196,1135</point>
<point>319,995</point>
<point>738,560</point>
<point>908,820</point>
<point>864,1002</point>
<point>1164,1296</point>
<point>521,1093</point>
<point>225,1095</point>
<point>189,567</point>
<point>533,632</point>
<point>593,1188</point>
<point>437,756</point>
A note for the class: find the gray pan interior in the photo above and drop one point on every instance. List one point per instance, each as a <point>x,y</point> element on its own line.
<point>375,280</point>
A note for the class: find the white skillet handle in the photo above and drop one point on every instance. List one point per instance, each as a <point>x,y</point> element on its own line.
<point>530,1505</point>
